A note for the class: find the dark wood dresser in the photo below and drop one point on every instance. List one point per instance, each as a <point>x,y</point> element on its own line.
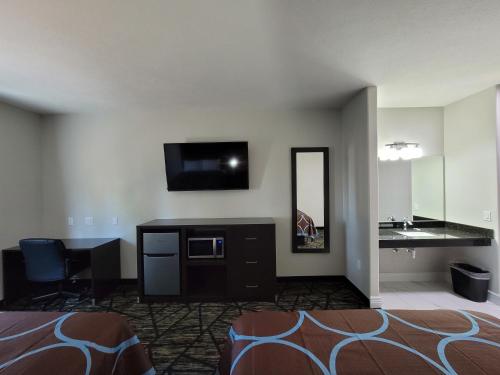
<point>246,272</point>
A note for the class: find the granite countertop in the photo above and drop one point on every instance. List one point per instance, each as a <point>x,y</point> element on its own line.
<point>445,235</point>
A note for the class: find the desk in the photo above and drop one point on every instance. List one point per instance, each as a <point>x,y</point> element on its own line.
<point>102,255</point>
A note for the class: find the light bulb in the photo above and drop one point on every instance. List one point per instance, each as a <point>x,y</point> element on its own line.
<point>418,153</point>
<point>383,155</point>
<point>406,152</point>
<point>393,154</point>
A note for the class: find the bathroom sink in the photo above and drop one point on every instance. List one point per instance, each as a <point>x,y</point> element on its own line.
<point>410,233</point>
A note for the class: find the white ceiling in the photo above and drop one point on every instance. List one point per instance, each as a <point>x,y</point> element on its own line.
<point>90,55</point>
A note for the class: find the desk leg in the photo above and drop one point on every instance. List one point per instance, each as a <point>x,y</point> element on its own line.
<point>105,268</point>
<point>14,276</point>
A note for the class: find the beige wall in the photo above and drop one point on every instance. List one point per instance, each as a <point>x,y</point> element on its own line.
<point>422,125</point>
<point>107,165</point>
<point>470,148</point>
<point>359,125</point>
<point>20,172</point>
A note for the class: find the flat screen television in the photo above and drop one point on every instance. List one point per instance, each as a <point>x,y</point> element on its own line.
<point>206,166</point>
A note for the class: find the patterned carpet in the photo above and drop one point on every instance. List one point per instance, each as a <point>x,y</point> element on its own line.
<point>185,338</point>
<point>316,243</point>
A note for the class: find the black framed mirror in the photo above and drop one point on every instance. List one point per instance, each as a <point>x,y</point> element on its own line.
<point>310,200</point>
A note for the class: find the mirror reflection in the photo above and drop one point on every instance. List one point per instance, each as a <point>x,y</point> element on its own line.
<point>310,200</point>
<point>412,189</point>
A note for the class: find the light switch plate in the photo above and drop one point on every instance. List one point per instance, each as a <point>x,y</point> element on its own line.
<point>114,220</point>
<point>89,220</point>
<point>487,215</point>
<point>71,220</point>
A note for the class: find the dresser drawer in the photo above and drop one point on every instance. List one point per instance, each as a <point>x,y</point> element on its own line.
<point>253,279</point>
<point>254,290</point>
<point>253,242</point>
<point>255,269</point>
<point>250,289</point>
<point>251,256</point>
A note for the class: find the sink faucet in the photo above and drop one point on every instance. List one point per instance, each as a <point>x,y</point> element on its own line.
<point>406,222</point>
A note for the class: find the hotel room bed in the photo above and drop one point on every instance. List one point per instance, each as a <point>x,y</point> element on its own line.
<point>305,226</point>
<point>363,342</point>
<point>69,343</point>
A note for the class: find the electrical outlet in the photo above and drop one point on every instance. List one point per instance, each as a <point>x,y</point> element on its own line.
<point>114,220</point>
<point>89,220</point>
<point>487,215</point>
<point>71,220</point>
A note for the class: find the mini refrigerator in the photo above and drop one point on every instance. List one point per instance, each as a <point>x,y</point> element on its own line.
<point>161,264</point>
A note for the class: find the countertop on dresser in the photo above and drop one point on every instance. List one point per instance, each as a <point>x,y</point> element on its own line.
<point>208,221</point>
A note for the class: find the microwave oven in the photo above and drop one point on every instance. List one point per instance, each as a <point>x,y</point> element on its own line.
<point>205,247</point>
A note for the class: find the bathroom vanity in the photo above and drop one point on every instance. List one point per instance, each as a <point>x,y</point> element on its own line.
<point>432,233</point>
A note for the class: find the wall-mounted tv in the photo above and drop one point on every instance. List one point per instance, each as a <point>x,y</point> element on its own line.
<point>206,166</point>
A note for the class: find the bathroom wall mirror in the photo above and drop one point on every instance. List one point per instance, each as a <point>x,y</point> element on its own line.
<point>310,200</point>
<point>412,188</point>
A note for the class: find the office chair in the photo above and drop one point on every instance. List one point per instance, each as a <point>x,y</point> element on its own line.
<point>47,261</point>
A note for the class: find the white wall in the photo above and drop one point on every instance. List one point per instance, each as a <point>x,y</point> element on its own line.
<point>20,183</point>
<point>310,195</point>
<point>359,125</point>
<point>430,261</point>
<point>470,145</point>
<point>394,189</point>
<point>421,125</point>
<point>112,164</point>
<point>427,187</point>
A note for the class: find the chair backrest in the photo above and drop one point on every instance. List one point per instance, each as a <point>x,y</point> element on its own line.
<point>45,259</point>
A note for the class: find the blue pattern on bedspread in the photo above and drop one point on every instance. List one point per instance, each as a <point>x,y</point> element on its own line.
<point>84,346</point>
<point>350,337</point>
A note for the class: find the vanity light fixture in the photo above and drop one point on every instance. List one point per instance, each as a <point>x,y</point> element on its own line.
<point>400,150</point>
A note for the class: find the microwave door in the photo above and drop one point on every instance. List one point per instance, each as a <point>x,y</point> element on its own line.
<point>200,248</point>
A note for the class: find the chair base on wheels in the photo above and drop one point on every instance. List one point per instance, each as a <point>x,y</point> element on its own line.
<point>59,293</point>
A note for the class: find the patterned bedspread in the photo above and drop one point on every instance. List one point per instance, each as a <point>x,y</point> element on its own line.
<point>305,225</point>
<point>69,343</point>
<point>363,342</point>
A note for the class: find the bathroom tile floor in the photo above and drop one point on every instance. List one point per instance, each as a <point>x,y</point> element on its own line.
<point>428,296</point>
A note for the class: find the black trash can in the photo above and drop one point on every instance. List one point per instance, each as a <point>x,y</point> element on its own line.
<point>470,282</point>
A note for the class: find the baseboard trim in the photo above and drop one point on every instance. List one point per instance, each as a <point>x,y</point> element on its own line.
<point>375,302</point>
<point>494,297</point>
<point>310,278</point>
<point>416,276</point>
<point>365,299</point>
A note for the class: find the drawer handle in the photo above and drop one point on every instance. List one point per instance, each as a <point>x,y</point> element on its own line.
<point>251,286</point>
<point>250,238</point>
<point>251,262</point>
